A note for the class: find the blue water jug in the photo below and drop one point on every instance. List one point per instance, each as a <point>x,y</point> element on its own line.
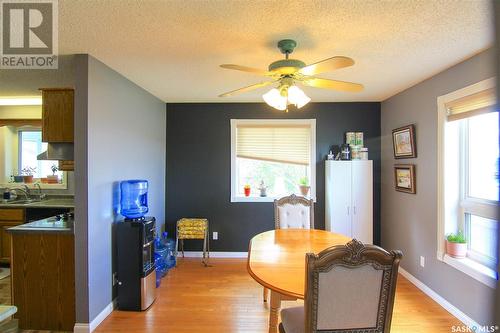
<point>134,198</point>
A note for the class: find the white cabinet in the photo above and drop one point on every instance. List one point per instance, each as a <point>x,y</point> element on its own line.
<point>349,199</point>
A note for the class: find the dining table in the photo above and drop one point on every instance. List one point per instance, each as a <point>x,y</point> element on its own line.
<point>276,260</point>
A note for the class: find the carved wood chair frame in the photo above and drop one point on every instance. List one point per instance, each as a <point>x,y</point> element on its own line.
<point>293,200</point>
<point>353,254</point>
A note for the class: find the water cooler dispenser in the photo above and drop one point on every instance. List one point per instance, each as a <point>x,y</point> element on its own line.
<point>135,237</point>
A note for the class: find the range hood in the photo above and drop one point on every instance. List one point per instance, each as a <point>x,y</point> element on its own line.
<point>58,151</point>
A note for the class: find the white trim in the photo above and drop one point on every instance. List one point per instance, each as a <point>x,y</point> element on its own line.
<point>440,300</point>
<point>233,125</point>
<point>89,328</point>
<point>472,268</point>
<point>199,254</point>
<point>441,121</point>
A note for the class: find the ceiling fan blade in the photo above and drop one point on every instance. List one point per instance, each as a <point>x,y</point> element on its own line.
<point>248,69</point>
<point>249,88</point>
<point>327,65</point>
<point>332,84</point>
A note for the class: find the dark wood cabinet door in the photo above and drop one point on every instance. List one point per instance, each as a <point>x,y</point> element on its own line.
<point>57,115</point>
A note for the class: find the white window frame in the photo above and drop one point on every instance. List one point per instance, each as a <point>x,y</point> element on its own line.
<point>470,267</point>
<point>45,186</point>
<point>234,183</point>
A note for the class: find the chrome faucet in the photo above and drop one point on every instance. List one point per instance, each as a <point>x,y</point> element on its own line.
<point>41,195</point>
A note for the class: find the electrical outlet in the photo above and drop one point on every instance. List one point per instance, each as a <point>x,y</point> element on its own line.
<point>215,235</point>
<point>115,280</point>
<point>422,261</point>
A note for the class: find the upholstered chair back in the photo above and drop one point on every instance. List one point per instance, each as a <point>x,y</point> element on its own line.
<point>294,212</point>
<point>350,288</point>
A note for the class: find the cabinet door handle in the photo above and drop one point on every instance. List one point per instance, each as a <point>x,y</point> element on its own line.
<point>347,210</point>
<point>354,210</point>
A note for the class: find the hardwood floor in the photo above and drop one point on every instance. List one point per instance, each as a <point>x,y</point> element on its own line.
<point>224,298</point>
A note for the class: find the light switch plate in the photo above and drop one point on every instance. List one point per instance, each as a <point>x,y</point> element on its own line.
<point>215,235</point>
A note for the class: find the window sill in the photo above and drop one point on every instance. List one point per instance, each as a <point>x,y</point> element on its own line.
<point>43,186</point>
<point>257,199</point>
<point>475,270</point>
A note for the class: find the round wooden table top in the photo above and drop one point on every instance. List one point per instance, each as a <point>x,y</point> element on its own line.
<point>276,258</point>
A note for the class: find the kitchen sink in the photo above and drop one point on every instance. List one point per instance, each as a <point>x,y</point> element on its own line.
<point>17,202</point>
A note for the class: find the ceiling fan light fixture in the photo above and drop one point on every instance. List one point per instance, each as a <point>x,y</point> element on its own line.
<point>274,99</point>
<point>297,97</point>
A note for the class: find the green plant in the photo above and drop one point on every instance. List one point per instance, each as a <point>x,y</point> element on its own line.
<point>54,169</point>
<point>456,238</point>
<point>304,181</point>
<point>28,171</point>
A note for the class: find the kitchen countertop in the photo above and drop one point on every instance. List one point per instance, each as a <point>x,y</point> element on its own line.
<point>48,225</point>
<point>46,203</point>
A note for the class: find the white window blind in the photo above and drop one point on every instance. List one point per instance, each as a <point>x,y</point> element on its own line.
<point>471,105</point>
<point>275,143</point>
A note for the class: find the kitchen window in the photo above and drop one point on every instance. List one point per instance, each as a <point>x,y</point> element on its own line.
<point>30,145</point>
<point>276,154</point>
<point>469,172</point>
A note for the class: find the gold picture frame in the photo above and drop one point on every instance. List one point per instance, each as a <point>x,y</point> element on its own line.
<point>404,178</point>
<point>403,142</point>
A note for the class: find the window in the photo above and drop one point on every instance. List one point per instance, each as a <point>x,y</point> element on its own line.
<point>468,169</point>
<point>30,145</point>
<point>279,154</point>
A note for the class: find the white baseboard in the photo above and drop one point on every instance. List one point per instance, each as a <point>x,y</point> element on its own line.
<point>440,300</point>
<point>199,254</point>
<point>89,328</point>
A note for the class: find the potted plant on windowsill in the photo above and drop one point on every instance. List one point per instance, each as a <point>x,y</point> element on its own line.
<point>28,173</point>
<point>456,245</point>
<point>53,179</point>
<point>304,186</point>
<point>246,190</point>
<point>16,178</point>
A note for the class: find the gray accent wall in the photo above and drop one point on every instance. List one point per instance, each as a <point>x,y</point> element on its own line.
<point>125,139</point>
<point>409,222</point>
<point>199,167</point>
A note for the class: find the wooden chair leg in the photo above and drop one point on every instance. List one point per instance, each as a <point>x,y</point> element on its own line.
<point>182,247</point>
<point>265,294</point>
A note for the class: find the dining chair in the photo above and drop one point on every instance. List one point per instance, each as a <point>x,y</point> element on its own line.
<point>349,288</point>
<point>292,212</point>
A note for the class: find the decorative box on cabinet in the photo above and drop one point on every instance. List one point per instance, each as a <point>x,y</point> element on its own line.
<point>349,198</point>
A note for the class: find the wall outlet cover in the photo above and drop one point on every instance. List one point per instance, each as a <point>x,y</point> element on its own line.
<point>422,261</point>
<point>215,235</point>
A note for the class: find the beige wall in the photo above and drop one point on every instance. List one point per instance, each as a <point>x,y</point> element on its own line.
<point>21,112</point>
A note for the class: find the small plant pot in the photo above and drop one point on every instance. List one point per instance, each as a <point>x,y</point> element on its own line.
<point>304,190</point>
<point>456,250</point>
<point>18,179</point>
<point>247,191</point>
<point>28,179</point>
<point>53,179</point>
<point>44,180</point>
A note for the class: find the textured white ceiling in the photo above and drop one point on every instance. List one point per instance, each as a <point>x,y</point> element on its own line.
<point>173,48</point>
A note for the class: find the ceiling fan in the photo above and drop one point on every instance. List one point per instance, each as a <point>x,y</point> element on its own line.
<point>288,72</point>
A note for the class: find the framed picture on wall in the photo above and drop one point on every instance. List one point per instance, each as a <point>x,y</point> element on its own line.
<point>403,142</point>
<point>404,178</point>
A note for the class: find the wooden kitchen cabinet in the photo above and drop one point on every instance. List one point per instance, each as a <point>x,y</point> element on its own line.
<point>67,165</point>
<point>9,217</point>
<point>43,280</point>
<point>57,114</point>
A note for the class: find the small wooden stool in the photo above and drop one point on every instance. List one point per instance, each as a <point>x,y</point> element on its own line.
<point>193,228</point>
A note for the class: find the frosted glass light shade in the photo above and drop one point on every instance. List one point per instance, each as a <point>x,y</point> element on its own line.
<point>297,96</point>
<point>274,99</point>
